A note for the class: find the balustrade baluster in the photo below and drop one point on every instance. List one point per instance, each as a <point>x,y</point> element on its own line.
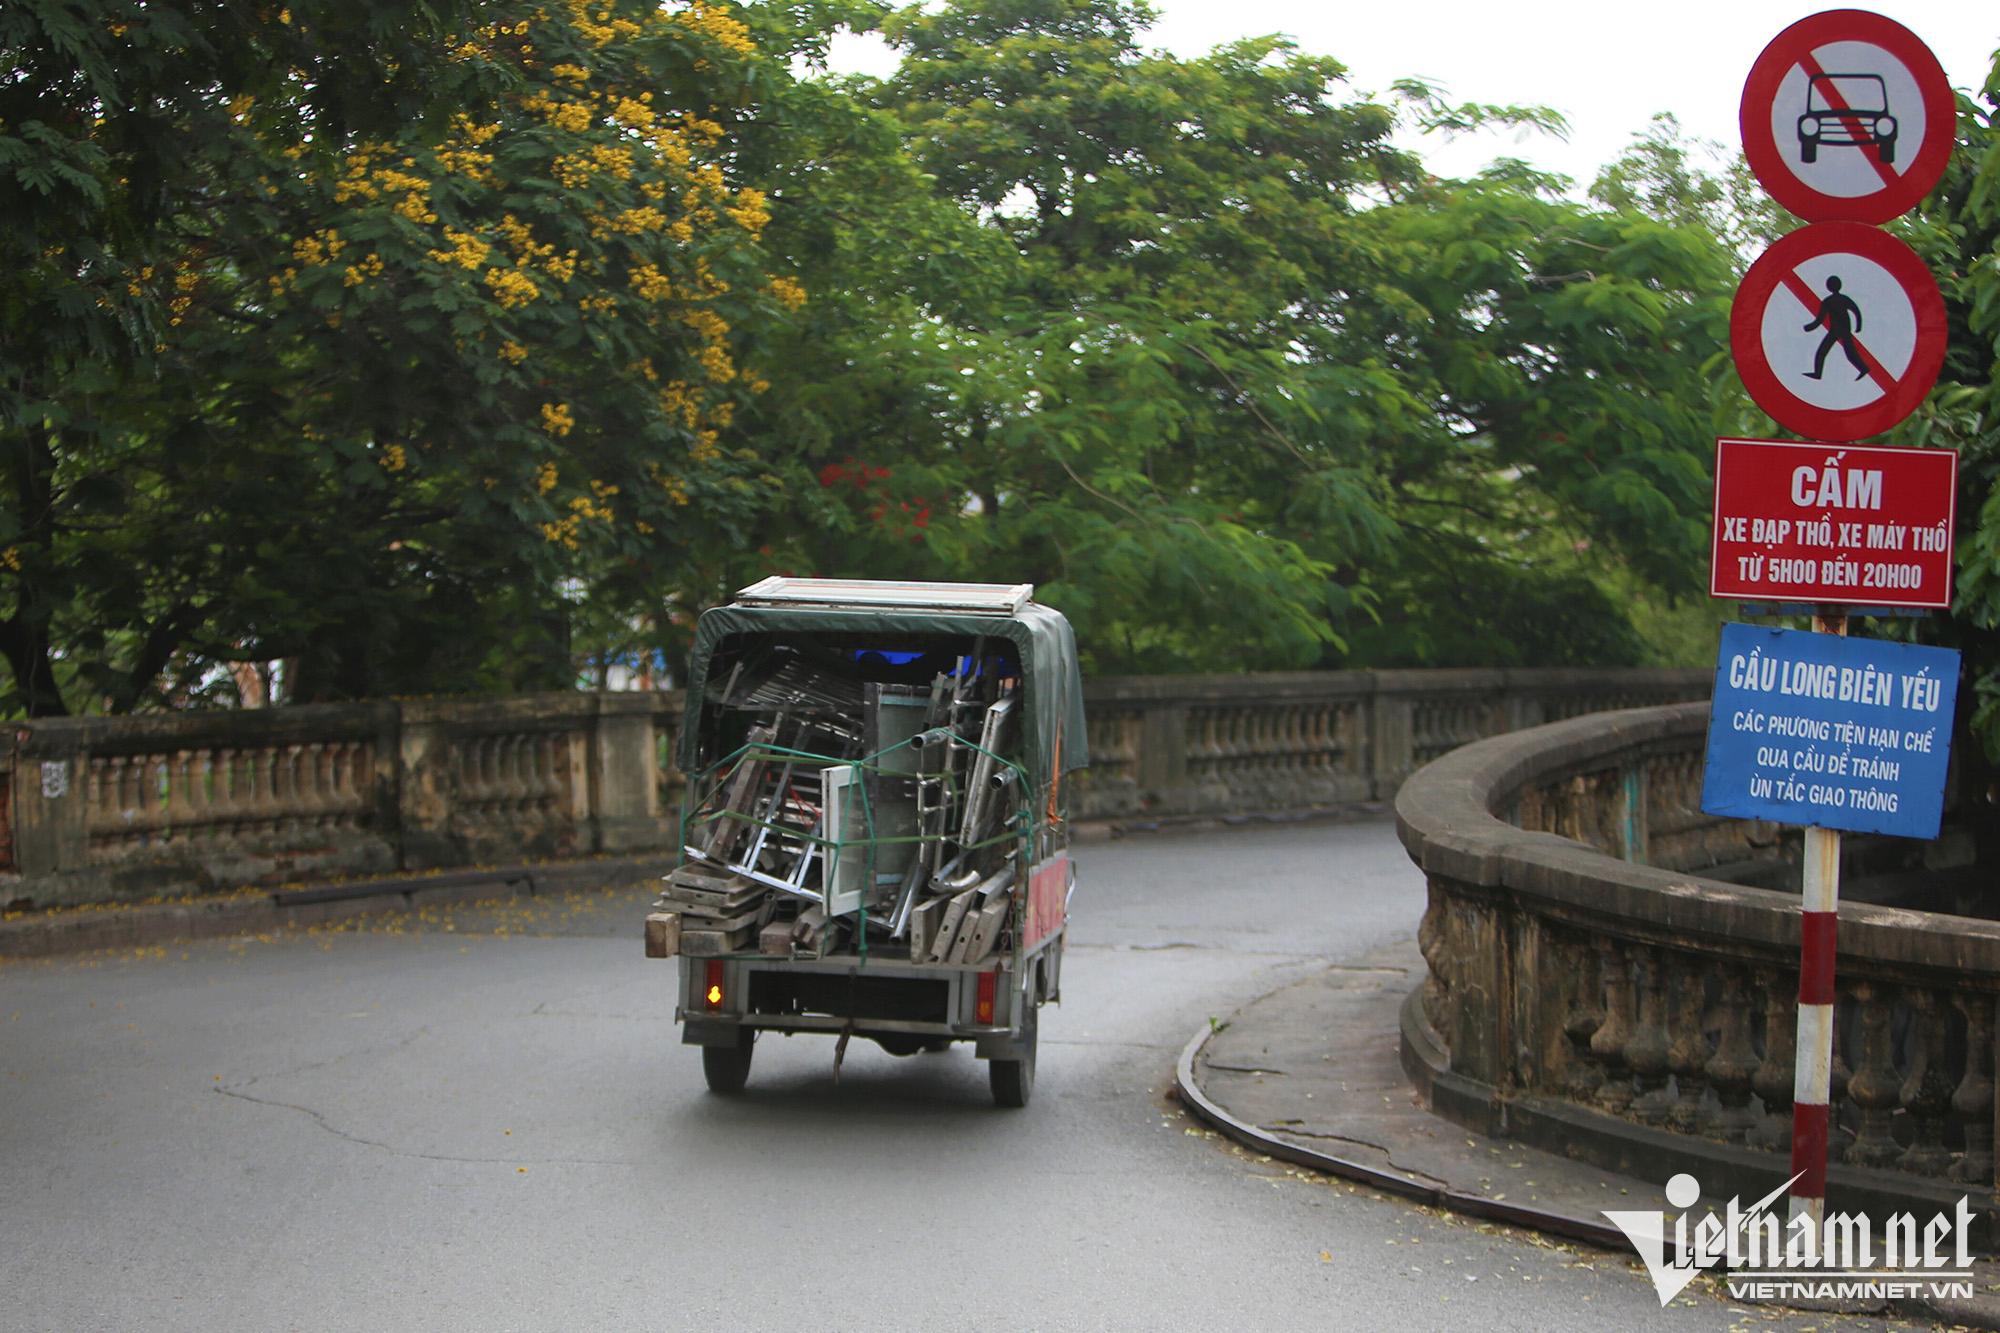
<point>485,756</point>
<point>550,788</point>
<point>118,781</point>
<point>499,751</point>
<point>325,799</point>
<point>1688,1056</point>
<point>101,795</point>
<point>178,809</point>
<point>1316,740</point>
<point>1926,1091</point>
<point>286,787</point>
<point>1874,1088</point>
<point>1733,1067</point>
<point>1646,1052</point>
<point>1585,1016</point>
<point>1608,1043</point>
<point>548,773</point>
<point>1838,1135</point>
<point>1972,1102</point>
<point>520,774</point>
<point>1430,943</point>
<point>1201,727</point>
<point>515,756</point>
<point>152,795</point>
<point>263,788</point>
<point>354,775</point>
<point>211,796</point>
<point>1777,1075</point>
<point>357,779</point>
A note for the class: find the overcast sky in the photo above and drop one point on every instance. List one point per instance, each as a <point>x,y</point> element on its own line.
<point>1608,68</point>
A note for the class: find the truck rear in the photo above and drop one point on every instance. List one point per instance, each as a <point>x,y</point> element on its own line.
<point>875,835</point>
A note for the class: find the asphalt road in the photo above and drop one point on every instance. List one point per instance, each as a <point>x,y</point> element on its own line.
<point>484,1119</point>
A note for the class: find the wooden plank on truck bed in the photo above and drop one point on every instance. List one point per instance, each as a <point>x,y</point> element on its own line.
<point>776,939</point>
<point>980,933</point>
<point>695,918</point>
<point>709,943</point>
<point>663,934</point>
<point>713,888</point>
<point>948,926</point>
<point>924,927</point>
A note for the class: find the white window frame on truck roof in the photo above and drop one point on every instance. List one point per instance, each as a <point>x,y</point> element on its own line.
<point>1001,599</point>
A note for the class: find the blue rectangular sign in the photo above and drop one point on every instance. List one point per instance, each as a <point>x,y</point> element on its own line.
<point>1840,733</point>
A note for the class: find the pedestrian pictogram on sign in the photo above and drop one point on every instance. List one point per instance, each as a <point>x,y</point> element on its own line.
<point>1847,116</point>
<point>1838,331</point>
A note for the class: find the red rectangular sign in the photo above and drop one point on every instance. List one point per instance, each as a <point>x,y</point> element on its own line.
<point>1833,523</point>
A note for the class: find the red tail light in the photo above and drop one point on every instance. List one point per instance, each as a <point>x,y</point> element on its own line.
<point>712,996</point>
<point>982,1011</point>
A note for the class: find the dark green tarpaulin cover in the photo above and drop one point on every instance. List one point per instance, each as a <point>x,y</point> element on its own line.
<point>1041,637</point>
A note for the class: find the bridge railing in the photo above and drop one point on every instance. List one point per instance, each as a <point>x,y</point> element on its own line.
<point>1592,990</point>
<point>104,809</point>
<point>1204,745</point>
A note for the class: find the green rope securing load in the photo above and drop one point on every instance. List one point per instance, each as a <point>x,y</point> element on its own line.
<point>889,814</point>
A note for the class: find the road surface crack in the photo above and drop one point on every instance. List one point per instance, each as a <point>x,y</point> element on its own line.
<point>319,1119</point>
<point>1388,1156</point>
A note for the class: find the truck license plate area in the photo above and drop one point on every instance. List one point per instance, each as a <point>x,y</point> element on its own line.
<point>862,998</point>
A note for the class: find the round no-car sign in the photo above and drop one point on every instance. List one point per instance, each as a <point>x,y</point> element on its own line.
<point>1838,331</point>
<point>1847,116</point>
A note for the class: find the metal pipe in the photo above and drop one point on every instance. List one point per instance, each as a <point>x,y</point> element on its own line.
<point>952,879</point>
<point>996,881</point>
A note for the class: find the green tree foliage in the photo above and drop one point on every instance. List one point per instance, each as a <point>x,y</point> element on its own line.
<point>435,349</point>
<point>1237,370</point>
<point>1957,231</point>
<point>373,338</point>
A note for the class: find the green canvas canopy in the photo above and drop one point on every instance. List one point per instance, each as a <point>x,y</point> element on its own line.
<point>1041,637</point>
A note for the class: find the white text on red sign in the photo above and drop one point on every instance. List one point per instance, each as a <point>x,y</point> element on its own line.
<point>1798,522</point>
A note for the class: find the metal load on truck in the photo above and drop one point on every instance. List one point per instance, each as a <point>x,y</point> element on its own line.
<point>865,764</point>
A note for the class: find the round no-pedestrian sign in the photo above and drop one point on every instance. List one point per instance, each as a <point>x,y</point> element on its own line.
<point>1838,331</point>
<point>1847,116</point>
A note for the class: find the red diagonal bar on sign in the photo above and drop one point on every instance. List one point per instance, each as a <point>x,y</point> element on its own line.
<point>1846,113</point>
<point>1808,298</point>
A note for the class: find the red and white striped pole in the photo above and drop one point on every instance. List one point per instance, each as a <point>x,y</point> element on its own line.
<point>1812,1081</point>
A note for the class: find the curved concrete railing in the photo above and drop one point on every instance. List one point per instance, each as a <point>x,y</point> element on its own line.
<point>108,808</point>
<point>1592,992</point>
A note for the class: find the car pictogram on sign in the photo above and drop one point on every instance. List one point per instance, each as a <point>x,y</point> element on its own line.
<point>1847,117</point>
<point>1847,109</point>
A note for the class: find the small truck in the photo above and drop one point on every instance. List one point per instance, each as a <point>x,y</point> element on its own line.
<point>875,832</point>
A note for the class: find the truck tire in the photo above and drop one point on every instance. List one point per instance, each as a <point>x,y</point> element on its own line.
<point>1014,1080</point>
<point>727,1068</point>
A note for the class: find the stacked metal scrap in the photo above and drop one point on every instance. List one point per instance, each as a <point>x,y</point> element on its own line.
<point>855,811</point>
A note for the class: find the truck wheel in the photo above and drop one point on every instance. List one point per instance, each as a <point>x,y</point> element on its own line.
<point>1014,1080</point>
<point>727,1068</point>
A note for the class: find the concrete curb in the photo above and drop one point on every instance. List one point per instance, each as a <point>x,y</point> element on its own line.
<point>1975,1313</point>
<point>1601,1234</point>
<point>59,931</point>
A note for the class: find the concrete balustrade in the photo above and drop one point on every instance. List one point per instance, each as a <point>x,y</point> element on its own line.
<point>1597,988</point>
<point>111,809</point>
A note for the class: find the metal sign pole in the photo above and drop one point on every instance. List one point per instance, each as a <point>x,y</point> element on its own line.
<point>1812,1078</point>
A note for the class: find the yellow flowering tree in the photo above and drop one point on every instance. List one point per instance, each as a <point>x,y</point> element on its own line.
<point>406,388</point>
